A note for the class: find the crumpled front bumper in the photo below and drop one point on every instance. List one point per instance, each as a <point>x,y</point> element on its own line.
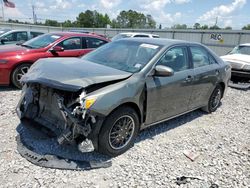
<point>47,111</point>
<point>241,73</point>
<point>40,149</point>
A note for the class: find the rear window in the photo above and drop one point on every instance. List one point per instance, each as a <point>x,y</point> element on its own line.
<point>35,34</point>
<point>94,42</point>
<point>121,36</point>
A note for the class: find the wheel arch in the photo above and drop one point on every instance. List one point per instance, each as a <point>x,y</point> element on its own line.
<point>132,105</point>
<point>222,84</point>
<point>17,65</point>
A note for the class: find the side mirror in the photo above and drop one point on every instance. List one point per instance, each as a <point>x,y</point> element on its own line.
<point>56,49</point>
<point>20,43</point>
<point>4,40</point>
<point>163,71</point>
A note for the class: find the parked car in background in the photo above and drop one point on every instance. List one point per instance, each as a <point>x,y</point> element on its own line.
<point>105,98</point>
<point>2,31</point>
<point>239,59</point>
<point>15,60</point>
<point>17,36</point>
<point>131,35</point>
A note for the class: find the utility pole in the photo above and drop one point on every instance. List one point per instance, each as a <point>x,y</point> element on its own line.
<point>34,14</point>
<point>216,21</point>
<point>2,10</point>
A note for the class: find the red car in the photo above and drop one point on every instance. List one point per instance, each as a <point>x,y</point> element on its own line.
<point>15,60</point>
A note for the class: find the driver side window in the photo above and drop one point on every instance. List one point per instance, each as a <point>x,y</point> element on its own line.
<point>175,58</point>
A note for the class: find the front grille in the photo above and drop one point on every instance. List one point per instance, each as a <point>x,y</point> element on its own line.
<point>236,65</point>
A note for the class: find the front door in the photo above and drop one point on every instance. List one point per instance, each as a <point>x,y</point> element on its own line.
<point>72,47</point>
<point>169,96</point>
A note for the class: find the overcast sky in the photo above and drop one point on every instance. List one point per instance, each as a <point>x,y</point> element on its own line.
<point>235,13</point>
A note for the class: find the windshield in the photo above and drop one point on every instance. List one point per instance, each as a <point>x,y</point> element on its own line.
<point>120,36</point>
<point>129,56</point>
<point>41,41</point>
<point>2,31</point>
<point>241,50</point>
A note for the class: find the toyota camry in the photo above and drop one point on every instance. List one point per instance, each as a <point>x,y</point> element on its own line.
<point>104,99</point>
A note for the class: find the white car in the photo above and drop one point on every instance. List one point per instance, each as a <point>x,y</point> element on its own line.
<point>239,58</point>
<point>128,35</point>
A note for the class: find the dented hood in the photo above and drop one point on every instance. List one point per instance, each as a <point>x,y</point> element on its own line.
<point>237,58</point>
<point>71,74</point>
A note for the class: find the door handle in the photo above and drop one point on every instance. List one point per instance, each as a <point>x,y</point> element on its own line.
<point>189,78</point>
<point>217,72</point>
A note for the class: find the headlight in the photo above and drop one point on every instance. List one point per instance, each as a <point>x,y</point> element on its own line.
<point>246,67</point>
<point>3,61</point>
<point>89,101</point>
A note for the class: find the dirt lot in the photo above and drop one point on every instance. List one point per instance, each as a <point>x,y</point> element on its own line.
<point>222,140</point>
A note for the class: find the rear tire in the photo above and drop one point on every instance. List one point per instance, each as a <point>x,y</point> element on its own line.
<point>118,132</point>
<point>18,72</point>
<point>214,100</point>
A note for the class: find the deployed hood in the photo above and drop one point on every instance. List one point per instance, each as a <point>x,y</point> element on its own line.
<point>71,74</point>
<point>237,58</point>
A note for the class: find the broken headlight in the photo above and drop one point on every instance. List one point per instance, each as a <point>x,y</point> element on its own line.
<point>87,101</point>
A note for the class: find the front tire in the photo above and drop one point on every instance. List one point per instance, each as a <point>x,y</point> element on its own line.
<point>17,74</point>
<point>118,132</point>
<point>214,100</point>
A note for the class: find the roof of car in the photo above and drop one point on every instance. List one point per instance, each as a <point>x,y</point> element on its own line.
<point>133,33</point>
<point>246,44</point>
<point>71,34</point>
<point>15,30</point>
<point>159,41</point>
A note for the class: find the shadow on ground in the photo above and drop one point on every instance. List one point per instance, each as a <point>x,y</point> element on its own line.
<point>163,127</point>
<point>8,88</point>
<point>42,144</point>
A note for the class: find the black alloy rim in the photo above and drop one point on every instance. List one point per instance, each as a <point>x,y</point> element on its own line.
<point>121,132</point>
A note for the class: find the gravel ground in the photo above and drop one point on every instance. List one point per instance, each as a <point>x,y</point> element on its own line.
<point>222,140</point>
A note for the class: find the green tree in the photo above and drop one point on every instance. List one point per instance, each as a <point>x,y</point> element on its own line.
<point>67,23</point>
<point>197,26</point>
<point>133,19</point>
<point>52,23</point>
<point>179,26</point>
<point>246,27</point>
<point>204,27</point>
<point>228,28</point>
<point>151,23</point>
<point>215,27</point>
<point>92,19</point>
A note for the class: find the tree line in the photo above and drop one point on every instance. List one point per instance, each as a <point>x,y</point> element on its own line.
<point>125,19</point>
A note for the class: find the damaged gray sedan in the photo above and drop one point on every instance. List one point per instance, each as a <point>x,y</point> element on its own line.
<point>102,101</point>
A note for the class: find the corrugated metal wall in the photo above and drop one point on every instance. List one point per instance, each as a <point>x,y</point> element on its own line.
<point>229,39</point>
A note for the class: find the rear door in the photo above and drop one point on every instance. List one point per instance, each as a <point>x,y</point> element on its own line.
<point>169,96</point>
<point>206,71</point>
<point>92,43</point>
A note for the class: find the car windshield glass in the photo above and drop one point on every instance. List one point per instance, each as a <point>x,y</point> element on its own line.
<point>241,50</point>
<point>129,56</point>
<point>42,41</point>
<point>121,36</point>
<point>3,31</point>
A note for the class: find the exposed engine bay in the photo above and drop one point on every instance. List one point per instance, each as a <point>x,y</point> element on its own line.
<point>62,113</point>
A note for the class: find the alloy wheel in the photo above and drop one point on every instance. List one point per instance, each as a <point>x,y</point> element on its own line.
<point>121,132</point>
